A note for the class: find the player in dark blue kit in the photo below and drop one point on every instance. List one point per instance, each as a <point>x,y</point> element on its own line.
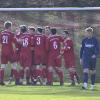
<point>88,55</point>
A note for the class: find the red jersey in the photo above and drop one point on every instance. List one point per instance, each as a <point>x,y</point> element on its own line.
<point>26,43</point>
<point>68,47</point>
<point>7,40</point>
<point>54,44</point>
<point>17,45</point>
<point>69,55</point>
<point>39,43</point>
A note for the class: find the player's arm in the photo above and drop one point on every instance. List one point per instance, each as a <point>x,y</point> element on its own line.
<point>0,48</point>
<point>13,42</point>
<point>62,49</point>
<point>81,52</point>
<point>0,45</point>
<point>97,49</point>
<point>69,45</point>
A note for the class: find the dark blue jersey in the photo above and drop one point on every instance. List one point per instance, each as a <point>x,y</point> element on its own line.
<point>89,47</point>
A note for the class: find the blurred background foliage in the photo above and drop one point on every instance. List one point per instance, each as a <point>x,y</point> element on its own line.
<point>48,3</point>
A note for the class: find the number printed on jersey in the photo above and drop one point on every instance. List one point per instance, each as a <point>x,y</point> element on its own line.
<point>25,42</point>
<point>38,40</point>
<point>55,45</point>
<point>5,39</point>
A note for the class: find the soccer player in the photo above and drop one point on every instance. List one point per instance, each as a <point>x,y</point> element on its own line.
<point>39,50</point>
<point>53,46</point>
<point>16,57</point>
<point>32,32</point>
<point>88,55</point>
<point>69,57</point>
<point>7,50</point>
<point>45,67</point>
<point>25,53</point>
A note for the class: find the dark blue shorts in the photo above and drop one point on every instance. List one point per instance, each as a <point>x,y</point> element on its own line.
<point>89,63</point>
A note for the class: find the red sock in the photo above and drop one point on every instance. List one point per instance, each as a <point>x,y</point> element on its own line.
<point>44,73</point>
<point>1,75</point>
<point>71,76</point>
<point>60,75</point>
<point>50,77</point>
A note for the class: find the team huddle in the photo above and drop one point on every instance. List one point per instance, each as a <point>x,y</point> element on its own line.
<point>38,52</point>
<point>35,54</point>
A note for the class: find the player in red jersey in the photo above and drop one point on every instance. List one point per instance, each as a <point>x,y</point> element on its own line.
<point>45,67</point>
<point>54,63</point>
<point>26,53</point>
<point>69,57</point>
<point>32,32</point>
<point>39,50</point>
<point>16,59</point>
<point>7,50</point>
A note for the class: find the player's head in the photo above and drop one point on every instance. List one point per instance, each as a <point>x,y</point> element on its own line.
<point>47,30</point>
<point>89,32</point>
<point>23,28</point>
<point>8,25</point>
<point>39,30</point>
<point>66,34</point>
<point>53,31</point>
<point>31,29</point>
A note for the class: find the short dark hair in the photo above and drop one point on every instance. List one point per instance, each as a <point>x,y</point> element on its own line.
<point>53,31</point>
<point>39,29</point>
<point>23,28</point>
<point>7,24</point>
<point>66,32</point>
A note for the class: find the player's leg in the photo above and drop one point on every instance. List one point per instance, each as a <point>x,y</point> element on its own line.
<point>2,70</point>
<point>86,64</point>
<point>38,68</point>
<point>93,76</point>
<point>27,64</point>
<point>33,75</point>
<point>50,75</point>
<point>27,75</point>
<point>15,73</point>
<point>69,66</point>
<point>76,76</point>
<point>85,77</point>
<point>21,74</point>
<point>59,70</point>
<point>93,73</point>
<point>4,62</point>
<point>50,70</point>
<point>71,74</point>
<point>44,74</point>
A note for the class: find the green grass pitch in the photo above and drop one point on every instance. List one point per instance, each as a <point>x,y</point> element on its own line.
<point>56,92</point>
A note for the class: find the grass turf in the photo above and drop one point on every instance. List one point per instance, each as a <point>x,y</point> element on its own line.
<point>56,92</point>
